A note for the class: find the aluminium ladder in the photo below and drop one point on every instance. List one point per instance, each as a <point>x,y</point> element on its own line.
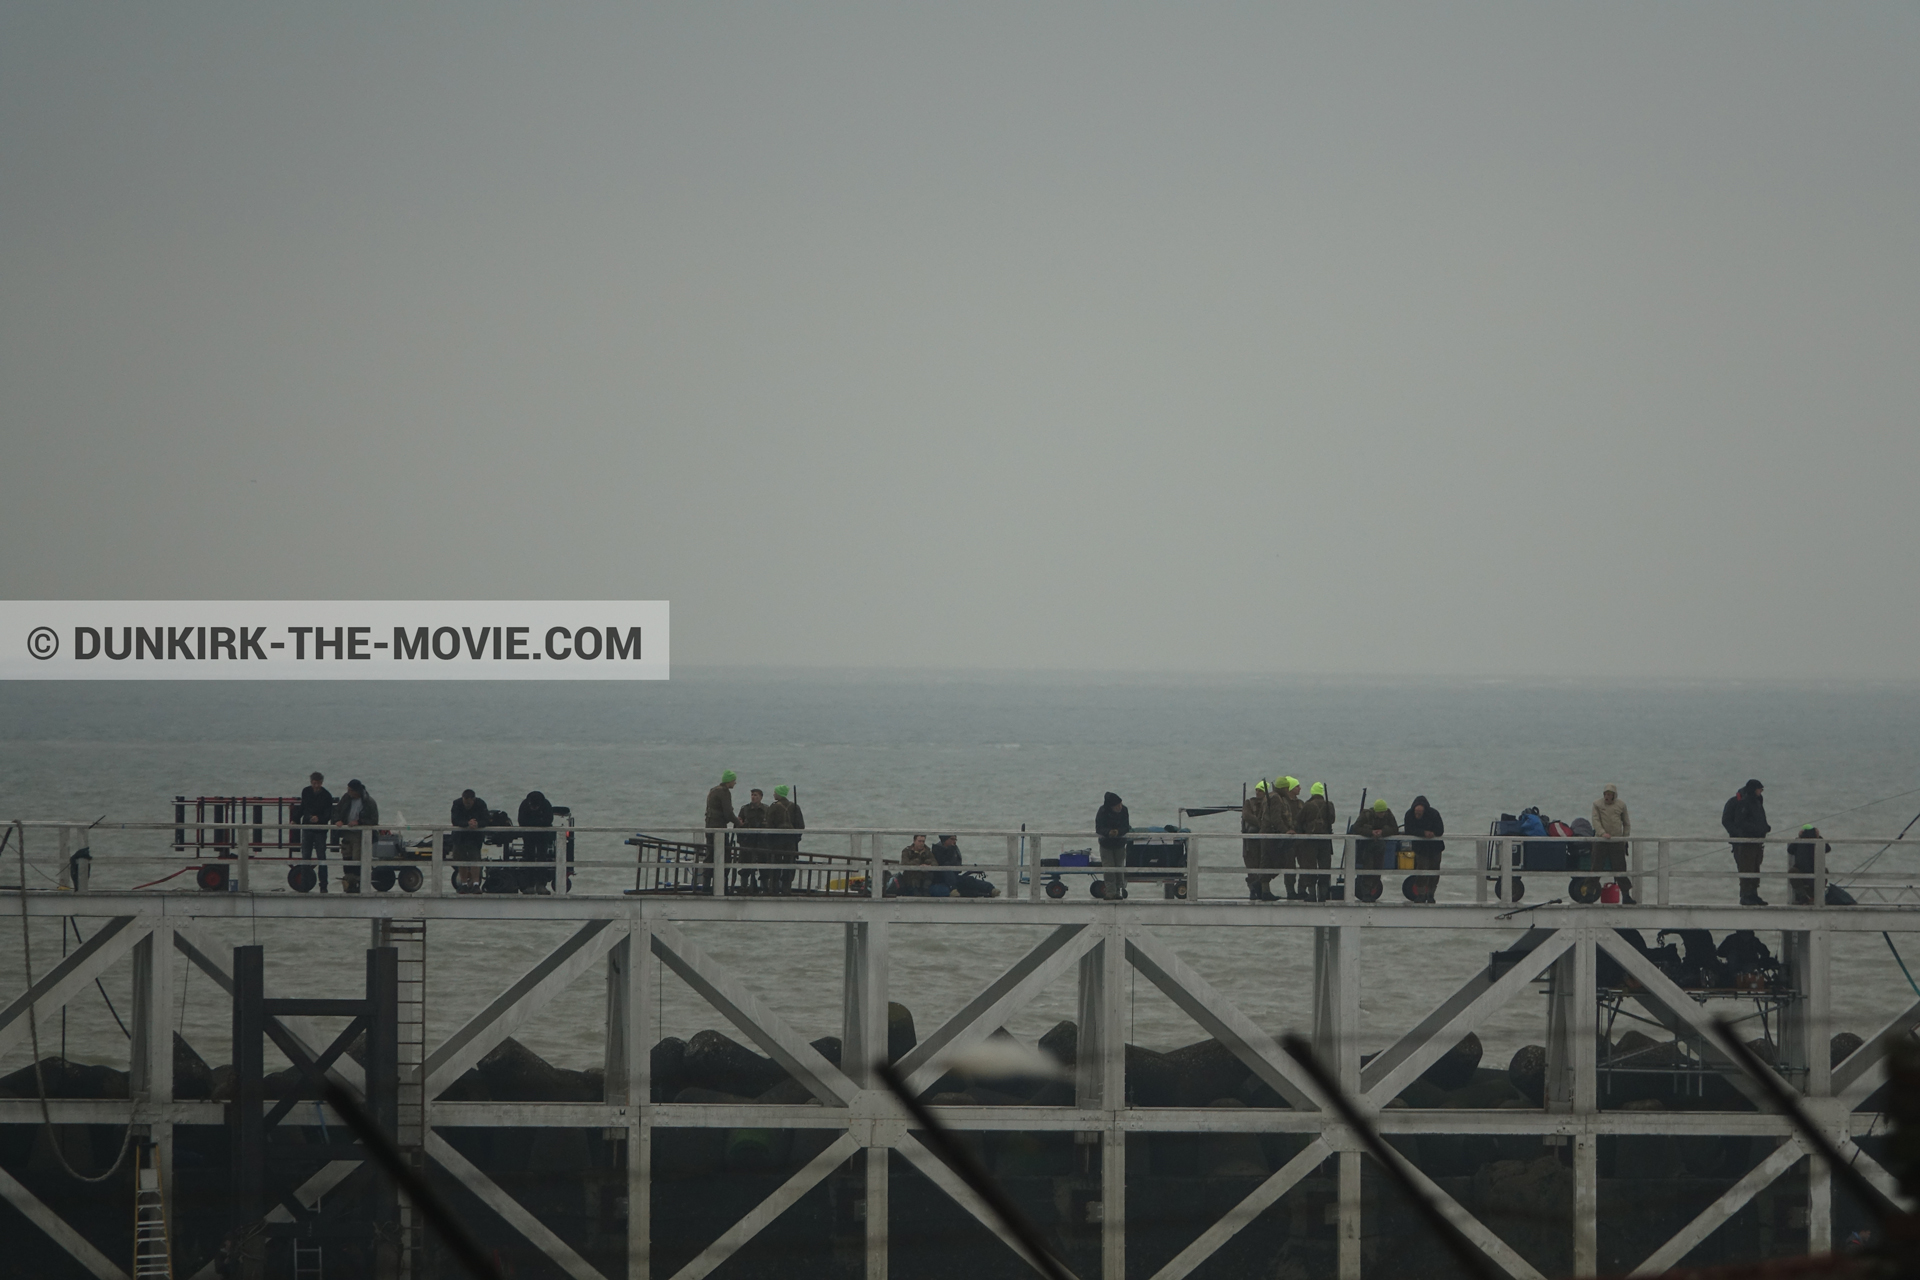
<point>152,1256</point>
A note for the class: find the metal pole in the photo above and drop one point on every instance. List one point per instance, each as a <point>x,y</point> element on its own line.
<point>1033,868</point>
<point>1664,873</point>
<point>1013,867</point>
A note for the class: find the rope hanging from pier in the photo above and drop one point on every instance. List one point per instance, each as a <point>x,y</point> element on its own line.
<point>33,1031</point>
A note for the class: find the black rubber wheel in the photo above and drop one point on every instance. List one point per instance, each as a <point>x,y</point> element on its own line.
<point>302,879</point>
<point>1055,889</point>
<point>1584,889</point>
<point>411,879</point>
<point>212,878</point>
<point>382,879</point>
<point>1367,888</point>
<point>1099,889</point>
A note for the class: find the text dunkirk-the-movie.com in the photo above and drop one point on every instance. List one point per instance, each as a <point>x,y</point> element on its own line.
<point>333,640</point>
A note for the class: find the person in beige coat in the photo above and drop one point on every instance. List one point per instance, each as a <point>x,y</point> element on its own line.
<point>1611,827</point>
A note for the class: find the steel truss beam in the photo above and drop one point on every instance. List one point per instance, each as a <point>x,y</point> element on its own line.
<point>631,937</point>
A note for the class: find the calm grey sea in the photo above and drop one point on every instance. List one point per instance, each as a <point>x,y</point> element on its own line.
<point>925,752</point>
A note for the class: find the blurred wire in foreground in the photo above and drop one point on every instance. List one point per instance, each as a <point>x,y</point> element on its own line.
<point>961,1160</point>
<point>423,1197</point>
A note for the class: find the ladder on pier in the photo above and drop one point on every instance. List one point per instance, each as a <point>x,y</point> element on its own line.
<point>152,1252</point>
<point>408,938</point>
<point>307,1261</point>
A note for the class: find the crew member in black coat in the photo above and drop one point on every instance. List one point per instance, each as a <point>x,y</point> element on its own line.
<point>1745,819</point>
<point>315,810</point>
<point>1423,821</point>
<point>1110,825</point>
<point>535,811</point>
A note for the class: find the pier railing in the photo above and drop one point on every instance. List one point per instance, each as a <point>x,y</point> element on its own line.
<point>1205,867</point>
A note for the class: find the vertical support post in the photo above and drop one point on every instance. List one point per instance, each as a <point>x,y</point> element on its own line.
<point>1193,869</point>
<point>638,1022</point>
<point>1819,873</point>
<point>1033,868</point>
<point>152,1050</point>
<point>1013,867</point>
<point>1100,1080</point>
<point>1481,851</point>
<point>1586,1204</point>
<point>877,1158</point>
<point>1573,1019</point>
<point>383,1086</point>
<point>1663,873</point>
<point>244,851</point>
<point>863,1041</point>
<point>1804,1042</point>
<point>1349,1215</point>
<point>1336,1017</point>
<point>876,869</point>
<point>863,1012</point>
<point>1637,859</point>
<point>1502,849</point>
<point>247,1135</point>
<point>66,855</point>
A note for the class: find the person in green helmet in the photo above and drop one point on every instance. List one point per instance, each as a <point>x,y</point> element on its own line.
<point>1253,819</point>
<point>783,817</point>
<point>1316,818</point>
<point>719,818</point>
<point>752,848</point>
<point>1370,852</point>
<point>1283,807</point>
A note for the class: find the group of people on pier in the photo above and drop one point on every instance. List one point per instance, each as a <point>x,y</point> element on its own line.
<point>768,833</point>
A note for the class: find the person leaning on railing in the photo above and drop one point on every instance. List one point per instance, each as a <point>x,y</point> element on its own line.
<point>1800,857</point>
<point>719,818</point>
<point>1111,823</point>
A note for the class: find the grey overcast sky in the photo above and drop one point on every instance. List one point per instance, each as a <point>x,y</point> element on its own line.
<point>1530,339</point>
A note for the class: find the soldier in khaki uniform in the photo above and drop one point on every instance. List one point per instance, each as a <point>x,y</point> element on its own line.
<point>1253,818</point>
<point>1316,818</point>
<point>783,816</point>
<point>1283,812</point>
<point>719,817</point>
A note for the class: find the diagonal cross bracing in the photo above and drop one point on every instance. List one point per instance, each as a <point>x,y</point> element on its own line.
<point>77,1245</point>
<point>762,1215</point>
<point>1221,1018</point>
<point>485,1030</point>
<point>201,951</point>
<point>1730,1202</point>
<point>943,1177</point>
<point>1262,1197</point>
<point>512,1211</point>
<point>752,1016</point>
<point>1855,1077</point>
<point>1004,997</point>
<point>1464,1011</point>
<point>77,971</point>
<point>1661,988</point>
<point>1872,1170</point>
<point>1483,1237</point>
<point>331,1175</point>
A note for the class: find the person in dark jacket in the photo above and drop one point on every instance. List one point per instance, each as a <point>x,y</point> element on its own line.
<point>1423,820</point>
<point>946,853</point>
<point>536,811</point>
<point>1744,818</point>
<point>1371,853</point>
<point>469,820</point>
<point>1800,857</point>
<point>753,848</point>
<point>1111,824</point>
<point>1253,819</point>
<point>314,810</point>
